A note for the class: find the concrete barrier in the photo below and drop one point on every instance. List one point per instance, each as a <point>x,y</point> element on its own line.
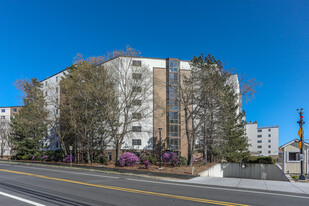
<point>246,170</point>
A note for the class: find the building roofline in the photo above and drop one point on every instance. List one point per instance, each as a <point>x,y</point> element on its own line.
<point>290,142</point>
<point>270,126</point>
<point>113,59</point>
<point>11,106</point>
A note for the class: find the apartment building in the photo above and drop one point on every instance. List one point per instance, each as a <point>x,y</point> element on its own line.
<point>263,140</point>
<point>6,113</point>
<point>167,115</point>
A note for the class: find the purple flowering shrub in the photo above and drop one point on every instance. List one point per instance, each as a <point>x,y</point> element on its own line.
<point>128,159</point>
<point>67,158</point>
<point>173,159</point>
<point>199,160</point>
<point>146,163</point>
<point>44,158</point>
<point>168,157</point>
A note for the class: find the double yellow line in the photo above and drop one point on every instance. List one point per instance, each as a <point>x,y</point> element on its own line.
<point>193,199</point>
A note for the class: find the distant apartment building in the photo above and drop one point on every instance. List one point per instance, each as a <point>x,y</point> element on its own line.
<point>263,140</point>
<point>145,132</point>
<point>6,113</point>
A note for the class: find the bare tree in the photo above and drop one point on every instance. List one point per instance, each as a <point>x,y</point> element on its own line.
<point>248,87</point>
<point>131,100</point>
<point>5,131</point>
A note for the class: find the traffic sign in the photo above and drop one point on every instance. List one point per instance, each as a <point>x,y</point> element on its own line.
<point>300,132</point>
<point>301,157</point>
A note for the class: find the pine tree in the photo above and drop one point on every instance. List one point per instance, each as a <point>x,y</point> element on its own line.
<point>234,147</point>
<point>29,126</point>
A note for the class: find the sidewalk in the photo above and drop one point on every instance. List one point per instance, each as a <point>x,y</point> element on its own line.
<point>269,185</point>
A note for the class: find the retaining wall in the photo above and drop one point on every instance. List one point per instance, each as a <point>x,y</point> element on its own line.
<point>249,171</point>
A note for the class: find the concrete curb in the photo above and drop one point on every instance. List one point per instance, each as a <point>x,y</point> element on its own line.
<point>107,169</point>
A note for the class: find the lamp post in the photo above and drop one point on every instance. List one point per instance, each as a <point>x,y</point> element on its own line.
<point>160,149</point>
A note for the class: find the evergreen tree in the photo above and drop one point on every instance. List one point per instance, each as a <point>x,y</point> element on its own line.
<point>29,126</point>
<point>234,147</point>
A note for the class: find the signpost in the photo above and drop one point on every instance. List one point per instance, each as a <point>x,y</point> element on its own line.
<point>301,144</point>
<point>71,148</point>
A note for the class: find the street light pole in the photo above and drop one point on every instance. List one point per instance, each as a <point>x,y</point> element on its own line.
<point>160,148</point>
<point>301,123</point>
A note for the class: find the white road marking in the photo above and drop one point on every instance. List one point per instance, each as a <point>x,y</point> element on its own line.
<point>21,199</point>
<point>216,188</point>
<point>68,172</point>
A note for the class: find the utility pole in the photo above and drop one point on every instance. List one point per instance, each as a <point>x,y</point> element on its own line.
<point>301,144</point>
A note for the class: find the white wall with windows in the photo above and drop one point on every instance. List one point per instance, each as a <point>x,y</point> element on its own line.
<point>263,140</point>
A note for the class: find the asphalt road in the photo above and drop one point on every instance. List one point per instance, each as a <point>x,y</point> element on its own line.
<point>42,185</point>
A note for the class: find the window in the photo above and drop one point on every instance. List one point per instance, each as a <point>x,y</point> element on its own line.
<point>173,66</point>
<point>173,130</point>
<point>136,142</point>
<point>259,130</point>
<point>172,91</point>
<point>293,156</point>
<point>2,117</point>
<point>137,89</point>
<point>173,117</point>
<point>137,76</point>
<point>137,115</point>
<point>137,102</point>
<point>2,110</point>
<point>57,100</point>
<point>173,104</point>
<point>173,78</point>
<point>57,144</point>
<point>260,152</point>
<point>173,143</point>
<point>14,110</point>
<point>109,156</point>
<point>259,141</point>
<point>269,152</point>
<point>269,146</point>
<point>46,94</point>
<point>269,135</point>
<point>137,63</point>
<point>269,130</point>
<point>57,111</point>
<point>57,90</point>
<point>269,140</point>
<point>136,129</point>
<point>46,83</point>
<point>56,79</point>
<point>260,146</point>
<point>259,136</point>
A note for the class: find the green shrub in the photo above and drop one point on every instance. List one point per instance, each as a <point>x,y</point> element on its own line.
<point>151,159</point>
<point>182,160</point>
<point>102,159</point>
<point>261,160</point>
<point>25,157</point>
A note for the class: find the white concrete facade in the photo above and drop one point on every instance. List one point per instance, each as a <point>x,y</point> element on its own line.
<point>263,140</point>
<point>144,139</point>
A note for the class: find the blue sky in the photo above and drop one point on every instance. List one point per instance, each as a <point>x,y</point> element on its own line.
<point>268,40</point>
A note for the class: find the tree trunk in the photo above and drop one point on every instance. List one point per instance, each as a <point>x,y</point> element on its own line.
<point>117,153</point>
<point>88,151</point>
<point>62,144</point>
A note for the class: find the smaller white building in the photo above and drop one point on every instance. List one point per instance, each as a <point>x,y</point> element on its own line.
<point>263,140</point>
